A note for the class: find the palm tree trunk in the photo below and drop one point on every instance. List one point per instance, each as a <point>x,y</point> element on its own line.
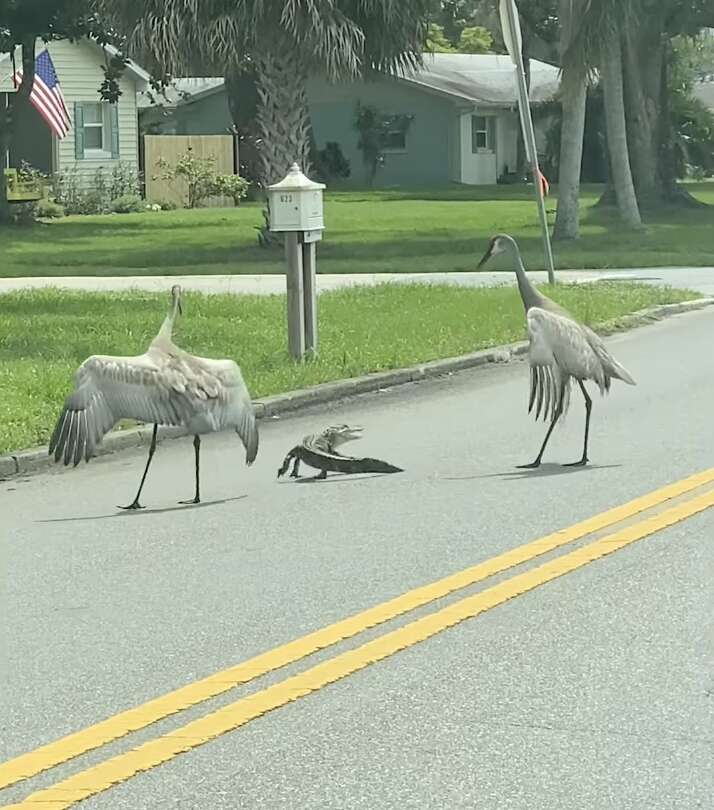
<point>617,133</point>
<point>572,131</point>
<point>283,117</point>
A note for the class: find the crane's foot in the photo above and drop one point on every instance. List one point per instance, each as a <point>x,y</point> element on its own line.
<point>134,505</point>
<point>532,466</point>
<point>195,499</point>
<point>581,463</point>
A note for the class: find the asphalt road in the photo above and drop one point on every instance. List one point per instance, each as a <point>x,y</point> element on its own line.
<point>593,691</point>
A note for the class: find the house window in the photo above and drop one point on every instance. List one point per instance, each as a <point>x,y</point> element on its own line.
<point>394,132</point>
<point>482,127</point>
<point>96,130</point>
<point>395,140</point>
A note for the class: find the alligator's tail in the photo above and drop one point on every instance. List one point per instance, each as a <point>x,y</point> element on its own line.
<point>286,462</point>
<point>344,464</point>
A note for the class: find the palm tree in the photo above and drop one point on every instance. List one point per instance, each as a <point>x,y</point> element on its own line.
<point>597,43</point>
<point>574,91</point>
<point>284,41</point>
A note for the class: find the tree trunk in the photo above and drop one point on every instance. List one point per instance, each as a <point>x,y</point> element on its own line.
<point>617,133</point>
<point>283,117</point>
<point>8,118</point>
<point>5,141</point>
<point>572,134</point>
<point>642,75</point>
<point>646,72</point>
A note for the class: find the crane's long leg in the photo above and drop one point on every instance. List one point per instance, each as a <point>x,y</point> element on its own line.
<point>588,407</point>
<point>556,416</point>
<point>152,447</point>
<point>197,447</point>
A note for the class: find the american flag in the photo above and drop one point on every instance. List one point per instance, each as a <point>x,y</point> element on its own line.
<point>47,96</point>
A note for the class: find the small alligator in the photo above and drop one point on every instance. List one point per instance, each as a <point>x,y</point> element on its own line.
<point>319,450</point>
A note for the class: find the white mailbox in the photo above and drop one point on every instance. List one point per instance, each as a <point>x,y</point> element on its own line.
<point>296,203</point>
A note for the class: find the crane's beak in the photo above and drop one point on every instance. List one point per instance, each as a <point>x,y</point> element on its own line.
<point>486,256</point>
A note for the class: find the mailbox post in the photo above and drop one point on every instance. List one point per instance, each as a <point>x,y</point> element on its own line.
<point>296,210</point>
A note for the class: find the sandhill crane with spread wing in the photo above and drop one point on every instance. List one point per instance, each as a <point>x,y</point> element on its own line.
<point>561,349</point>
<point>166,386</point>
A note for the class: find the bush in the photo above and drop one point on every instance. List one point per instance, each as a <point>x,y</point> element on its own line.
<point>200,179</point>
<point>168,205</point>
<point>23,213</point>
<point>330,164</point>
<point>78,195</point>
<point>230,185</point>
<point>127,204</point>
<point>49,209</point>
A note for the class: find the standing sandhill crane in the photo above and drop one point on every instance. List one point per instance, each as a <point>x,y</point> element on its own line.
<point>166,386</point>
<point>560,349</point>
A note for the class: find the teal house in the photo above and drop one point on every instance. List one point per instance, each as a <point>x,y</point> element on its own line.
<point>461,108</point>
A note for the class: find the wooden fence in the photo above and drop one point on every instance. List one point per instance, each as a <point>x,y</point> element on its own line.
<point>170,148</point>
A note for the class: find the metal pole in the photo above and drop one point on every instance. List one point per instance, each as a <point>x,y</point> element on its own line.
<point>530,144</point>
<point>309,296</point>
<point>296,309</point>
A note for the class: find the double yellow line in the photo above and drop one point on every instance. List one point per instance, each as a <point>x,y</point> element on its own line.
<point>121,767</point>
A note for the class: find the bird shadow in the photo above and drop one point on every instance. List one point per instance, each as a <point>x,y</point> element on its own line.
<point>128,512</point>
<point>544,471</point>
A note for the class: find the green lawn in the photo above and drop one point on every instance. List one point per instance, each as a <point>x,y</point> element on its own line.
<point>381,231</point>
<point>45,335</point>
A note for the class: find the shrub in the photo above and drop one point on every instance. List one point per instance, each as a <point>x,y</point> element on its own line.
<point>127,204</point>
<point>78,195</point>
<point>49,209</point>
<point>197,173</point>
<point>199,177</point>
<point>23,213</point>
<point>330,164</point>
<point>230,185</point>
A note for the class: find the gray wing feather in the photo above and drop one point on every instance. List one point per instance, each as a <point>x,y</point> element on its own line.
<point>231,405</point>
<point>108,389</point>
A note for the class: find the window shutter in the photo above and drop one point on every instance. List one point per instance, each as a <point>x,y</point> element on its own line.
<point>114,129</point>
<point>78,131</point>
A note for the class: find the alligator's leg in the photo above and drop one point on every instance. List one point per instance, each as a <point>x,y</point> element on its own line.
<point>322,474</point>
<point>296,467</point>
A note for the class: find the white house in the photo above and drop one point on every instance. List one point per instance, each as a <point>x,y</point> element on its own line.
<point>101,134</point>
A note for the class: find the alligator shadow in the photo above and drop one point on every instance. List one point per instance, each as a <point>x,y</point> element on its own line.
<point>127,513</point>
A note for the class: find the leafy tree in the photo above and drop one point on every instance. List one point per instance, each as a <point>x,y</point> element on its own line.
<point>475,39</point>
<point>22,23</point>
<point>436,40</point>
<point>284,41</point>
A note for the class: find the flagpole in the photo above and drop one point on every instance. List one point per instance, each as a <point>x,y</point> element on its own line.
<point>511,30</point>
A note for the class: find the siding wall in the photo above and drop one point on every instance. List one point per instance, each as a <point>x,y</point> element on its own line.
<point>78,67</point>
<point>430,140</point>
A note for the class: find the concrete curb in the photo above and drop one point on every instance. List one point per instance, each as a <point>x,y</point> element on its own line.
<point>37,459</point>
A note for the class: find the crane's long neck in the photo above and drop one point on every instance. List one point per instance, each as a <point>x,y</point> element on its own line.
<point>529,295</point>
<point>167,327</point>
